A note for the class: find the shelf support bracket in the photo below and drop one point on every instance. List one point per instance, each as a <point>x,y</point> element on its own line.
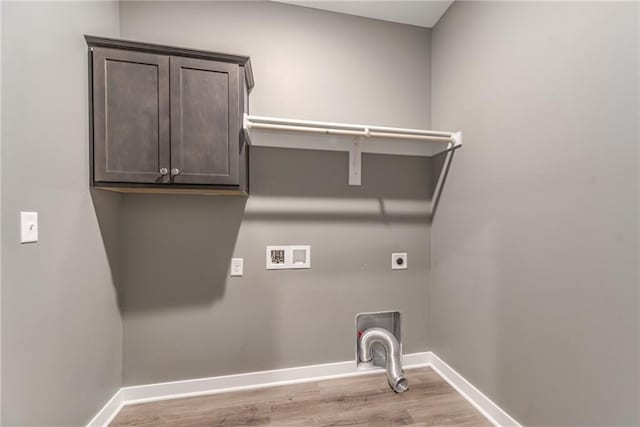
<point>355,162</point>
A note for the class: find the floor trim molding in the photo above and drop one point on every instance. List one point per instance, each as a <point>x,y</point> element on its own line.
<point>108,411</point>
<point>496,415</point>
<point>254,380</point>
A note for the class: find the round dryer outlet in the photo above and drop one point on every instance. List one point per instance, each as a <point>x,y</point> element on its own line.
<point>399,261</point>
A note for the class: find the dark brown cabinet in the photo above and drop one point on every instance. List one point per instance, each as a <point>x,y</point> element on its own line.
<point>131,117</point>
<point>204,121</point>
<point>167,119</point>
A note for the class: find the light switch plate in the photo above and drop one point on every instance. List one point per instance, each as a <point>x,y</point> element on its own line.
<point>28,227</point>
<point>399,261</point>
<point>237,266</point>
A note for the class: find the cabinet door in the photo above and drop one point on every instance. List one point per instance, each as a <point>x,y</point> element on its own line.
<point>205,122</point>
<point>130,116</point>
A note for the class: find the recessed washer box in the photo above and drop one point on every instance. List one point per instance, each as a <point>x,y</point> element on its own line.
<point>277,257</point>
<point>288,257</point>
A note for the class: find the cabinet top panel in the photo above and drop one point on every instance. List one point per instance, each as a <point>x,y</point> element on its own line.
<point>244,61</point>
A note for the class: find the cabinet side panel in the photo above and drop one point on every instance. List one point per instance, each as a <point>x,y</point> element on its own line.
<point>243,108</point>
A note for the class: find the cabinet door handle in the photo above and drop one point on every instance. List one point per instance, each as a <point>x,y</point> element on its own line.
<point>164,171</point>
<point>175,171</point>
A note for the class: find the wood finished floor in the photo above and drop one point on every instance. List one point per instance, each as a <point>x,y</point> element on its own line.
<point>356,401</point>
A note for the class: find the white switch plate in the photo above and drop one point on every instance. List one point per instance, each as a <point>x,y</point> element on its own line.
<point>399,261</point>
<point>237,266</point>
<point>28,227</point>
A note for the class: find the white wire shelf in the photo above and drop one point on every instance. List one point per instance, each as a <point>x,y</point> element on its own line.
<point>352,138</point>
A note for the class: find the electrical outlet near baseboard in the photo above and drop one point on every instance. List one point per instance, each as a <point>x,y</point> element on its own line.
<point>288,257</point>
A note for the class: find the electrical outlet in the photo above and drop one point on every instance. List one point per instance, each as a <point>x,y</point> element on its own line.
<point>399,261</point>
<point>237,265</point>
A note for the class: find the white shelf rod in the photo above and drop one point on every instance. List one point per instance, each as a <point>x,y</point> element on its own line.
<point>329,128</point>
<point>452,140</point>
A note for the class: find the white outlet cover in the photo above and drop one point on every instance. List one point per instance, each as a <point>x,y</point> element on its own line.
<point>237,267</point>
<point>28,227</point>
<point>399,261</point>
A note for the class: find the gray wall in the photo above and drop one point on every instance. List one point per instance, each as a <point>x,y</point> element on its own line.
<point>183,317</point>
<point>534,291</point>
<point>61,328</point>
<point>534,280</point>
<point>0,211</point>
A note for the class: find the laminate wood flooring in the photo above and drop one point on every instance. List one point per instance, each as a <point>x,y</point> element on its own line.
<point>356,401</point>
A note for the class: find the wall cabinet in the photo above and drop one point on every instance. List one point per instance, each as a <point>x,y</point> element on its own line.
<point>167,119</point>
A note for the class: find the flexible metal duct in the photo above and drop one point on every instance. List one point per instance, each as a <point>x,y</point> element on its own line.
<point>395,375</point>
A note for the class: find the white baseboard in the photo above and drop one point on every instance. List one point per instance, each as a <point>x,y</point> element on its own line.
<point>482,403</point>
<point>108,411</point>
<point>254,380</point>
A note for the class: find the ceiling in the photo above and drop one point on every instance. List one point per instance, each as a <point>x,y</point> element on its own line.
<point>424,13</point>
